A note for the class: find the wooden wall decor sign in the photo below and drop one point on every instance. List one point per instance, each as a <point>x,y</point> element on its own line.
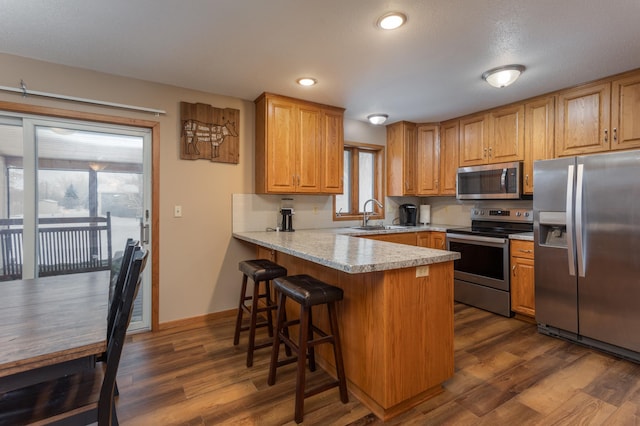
<point>210,133</point>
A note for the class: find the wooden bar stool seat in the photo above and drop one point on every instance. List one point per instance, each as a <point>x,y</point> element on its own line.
<point>307,291</point>
<point>260,271</point>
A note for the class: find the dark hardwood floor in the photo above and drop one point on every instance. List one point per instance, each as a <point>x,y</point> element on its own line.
<point>506,374</point>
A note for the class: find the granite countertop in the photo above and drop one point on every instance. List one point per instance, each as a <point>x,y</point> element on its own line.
<point>524,236</point>
<point>338,248</point>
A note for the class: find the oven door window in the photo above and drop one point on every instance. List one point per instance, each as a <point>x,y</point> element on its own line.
<point>480,260</point>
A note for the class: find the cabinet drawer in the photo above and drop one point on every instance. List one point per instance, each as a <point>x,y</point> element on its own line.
<point>522,249</point>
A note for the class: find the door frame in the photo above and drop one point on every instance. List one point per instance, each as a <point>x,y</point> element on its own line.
<point>154,126</point>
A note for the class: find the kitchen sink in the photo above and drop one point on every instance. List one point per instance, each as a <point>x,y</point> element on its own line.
<point>378,227</point>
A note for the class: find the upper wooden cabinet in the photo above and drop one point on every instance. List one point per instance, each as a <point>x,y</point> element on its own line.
<point>428,160</point>
<point>625,112</point>
<point>506,134</point>
<point>538,137</point>
<point>299,146</point>
<point>496,136</point>
<point>474,131</point>
<point>401,158</point>
<point>582,120</point>
<point>449,140</point>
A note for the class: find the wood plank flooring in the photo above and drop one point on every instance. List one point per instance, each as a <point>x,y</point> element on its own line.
<point>506,374</point>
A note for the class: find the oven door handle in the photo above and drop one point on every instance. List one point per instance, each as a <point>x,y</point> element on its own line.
<point>477,238</point>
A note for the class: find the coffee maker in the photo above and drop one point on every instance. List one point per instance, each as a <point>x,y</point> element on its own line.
<point>287,219</point>
<point>408,214</point>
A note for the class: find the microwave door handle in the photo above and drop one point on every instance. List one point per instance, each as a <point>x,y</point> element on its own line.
<point>503,181</point>
<point>569,221</point>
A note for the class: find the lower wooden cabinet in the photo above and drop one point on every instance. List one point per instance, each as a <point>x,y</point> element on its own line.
<point>408,238</point>
<point>522,278</point>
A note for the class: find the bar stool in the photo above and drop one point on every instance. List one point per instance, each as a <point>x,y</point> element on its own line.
<point>306,291</point>
<point>259,270</point>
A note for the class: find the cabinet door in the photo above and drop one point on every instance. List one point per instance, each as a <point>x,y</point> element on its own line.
<point>506,134</point>
<point>448,157</point>
<point>423,239</point>
<point>439,240</point>
<point>281,146</point>
<point>582,120</point>
<point>308,147</point>
<point>473,140</point>
<point>538,138</point>
<point>625,113</point>
<point>332,153</point>
<point>523,286</point>
<point>401,159</point>
<point>428,160</point>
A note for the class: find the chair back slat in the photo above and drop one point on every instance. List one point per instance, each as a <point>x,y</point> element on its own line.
<point>117,283</point>
<point>116,340</point>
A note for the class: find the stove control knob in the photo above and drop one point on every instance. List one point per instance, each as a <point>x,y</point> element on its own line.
<point>526,214</point>
<point>476,212</point>
<point>518,214</point>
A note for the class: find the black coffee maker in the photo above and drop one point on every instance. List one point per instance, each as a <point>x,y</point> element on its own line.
<point>287,219</point>
<point>408,214</point>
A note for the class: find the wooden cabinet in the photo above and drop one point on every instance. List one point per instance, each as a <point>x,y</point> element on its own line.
<point>582,120</point>
<point>428,160</point>
<point>474,131</point>
<point>401,158</point>
<point>538,137</point>
<point>496,136</point>
<point>408,238</point>
<point>522,278</point>
<point>432,239</point>
<point>625,112</point>
<point>506,134</point>
<point>449,137</point>
<point>299,146</point>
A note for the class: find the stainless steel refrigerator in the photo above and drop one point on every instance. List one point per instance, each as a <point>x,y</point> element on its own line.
<point>587,250</point>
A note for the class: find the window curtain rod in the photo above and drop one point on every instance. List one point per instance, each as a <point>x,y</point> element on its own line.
<point>24,91</point>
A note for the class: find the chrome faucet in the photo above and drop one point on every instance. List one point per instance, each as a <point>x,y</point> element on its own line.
<point>365,218</point>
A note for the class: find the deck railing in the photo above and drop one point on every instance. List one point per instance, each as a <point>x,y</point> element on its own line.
<point>65,246</point>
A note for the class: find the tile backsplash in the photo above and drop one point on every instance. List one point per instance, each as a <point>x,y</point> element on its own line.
<point>258,212</point>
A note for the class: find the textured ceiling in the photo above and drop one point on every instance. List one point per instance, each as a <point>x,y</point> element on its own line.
<point>428,70</point>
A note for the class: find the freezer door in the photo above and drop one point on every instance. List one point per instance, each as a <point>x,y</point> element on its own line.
<point>609,292</point>
<point>555,268</point>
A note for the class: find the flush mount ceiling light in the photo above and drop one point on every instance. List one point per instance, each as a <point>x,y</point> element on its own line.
<point>391,20</point>
<point>503,76</point>
<point>377,119</point>
<point>307,81</point>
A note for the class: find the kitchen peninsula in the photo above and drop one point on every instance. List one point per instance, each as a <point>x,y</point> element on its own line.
<point>396,319</point>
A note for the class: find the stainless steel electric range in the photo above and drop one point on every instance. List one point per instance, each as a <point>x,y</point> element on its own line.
<point>481,275</point>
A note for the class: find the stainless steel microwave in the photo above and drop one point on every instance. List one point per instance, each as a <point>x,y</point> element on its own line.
<point>492,181</point>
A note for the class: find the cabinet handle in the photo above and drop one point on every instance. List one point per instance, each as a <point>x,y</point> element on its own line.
<point>485,153</point>
<point>606,136</point>
<point>513,269</point>
<point>526,179</point>
<point>490,152</point>
<point>615,135</point>
<point>525,251</point>
<point>436,184</point>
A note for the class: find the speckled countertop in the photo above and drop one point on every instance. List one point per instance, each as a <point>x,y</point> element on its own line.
<point>337,248</point>
<point>524,236</point>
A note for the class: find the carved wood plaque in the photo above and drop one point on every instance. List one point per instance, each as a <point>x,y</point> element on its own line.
<point>208,132</point>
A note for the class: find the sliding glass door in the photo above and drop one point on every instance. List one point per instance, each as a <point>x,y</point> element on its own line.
<point>76,191</point>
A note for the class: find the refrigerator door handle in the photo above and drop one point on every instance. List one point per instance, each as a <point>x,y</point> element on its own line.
<point>569,221</point>
<point>579,239</point>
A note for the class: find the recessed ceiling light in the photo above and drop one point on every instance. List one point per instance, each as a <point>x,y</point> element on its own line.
<point>377,119</point>
<point>306,81</point>
<point>391,20</point>
<point>503,76</point>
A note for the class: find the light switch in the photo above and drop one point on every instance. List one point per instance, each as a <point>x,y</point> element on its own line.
<point>177,211</point>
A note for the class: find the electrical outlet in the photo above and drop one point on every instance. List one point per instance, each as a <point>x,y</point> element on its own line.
<point>177,211</point>
<point>315,209</point>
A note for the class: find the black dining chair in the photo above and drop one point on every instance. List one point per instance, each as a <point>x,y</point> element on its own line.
<point>116,284</point>
<point>85,397</point>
